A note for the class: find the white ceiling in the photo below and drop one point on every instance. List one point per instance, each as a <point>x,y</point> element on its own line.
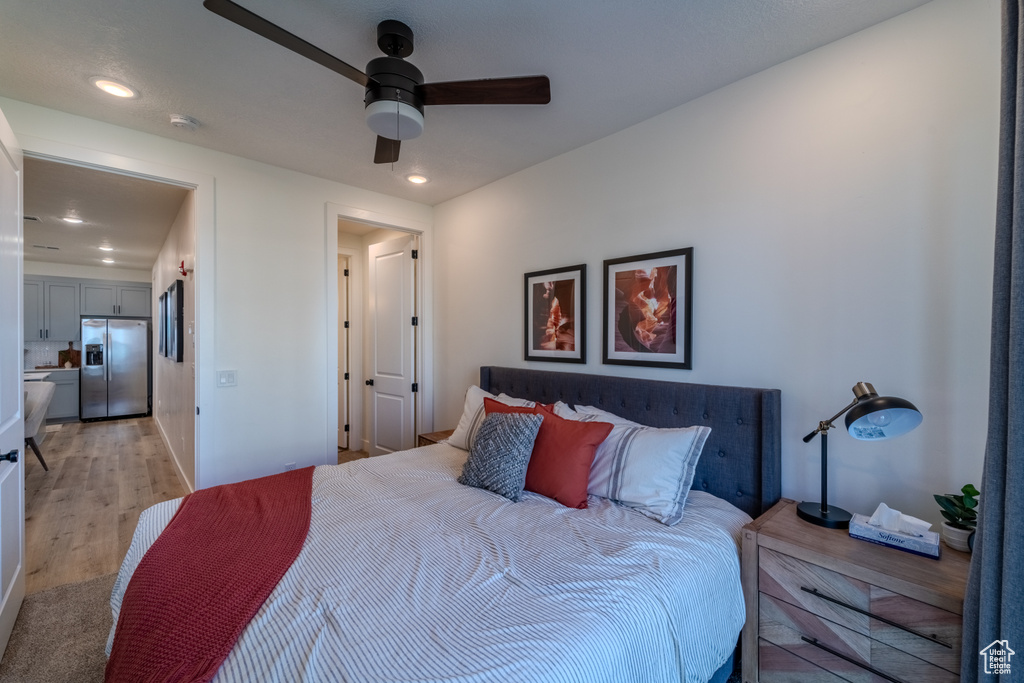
<point>611,63</point>
<point>132,215</point>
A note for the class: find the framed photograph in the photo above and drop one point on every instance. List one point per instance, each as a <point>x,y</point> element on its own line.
<point>176,322</point>
<point>648,309</point>
<point>162,325</point>
<point>555,303</point>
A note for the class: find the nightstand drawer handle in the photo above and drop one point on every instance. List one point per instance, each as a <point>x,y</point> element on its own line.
<point>933,639</point>
<point>851,660</point>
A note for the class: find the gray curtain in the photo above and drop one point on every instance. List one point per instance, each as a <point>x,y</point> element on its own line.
<point>994,606</point>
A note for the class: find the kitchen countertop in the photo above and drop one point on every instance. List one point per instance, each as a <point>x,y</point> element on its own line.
<point>32,370</point>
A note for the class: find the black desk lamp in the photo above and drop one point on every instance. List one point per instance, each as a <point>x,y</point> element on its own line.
<point>871,418</point>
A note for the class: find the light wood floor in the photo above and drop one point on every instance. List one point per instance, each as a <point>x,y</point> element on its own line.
<point>80,516</point>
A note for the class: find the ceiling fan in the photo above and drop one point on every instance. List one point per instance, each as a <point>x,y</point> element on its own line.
<point>395,91</point>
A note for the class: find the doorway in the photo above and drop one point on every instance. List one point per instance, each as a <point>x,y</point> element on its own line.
<point>102,474</point>
<point>378,310</point>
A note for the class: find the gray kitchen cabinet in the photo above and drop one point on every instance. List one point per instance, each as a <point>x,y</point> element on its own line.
<point>34,316</point>
<point>104,298</point>
<point>134,301</point>
<point>51,310</point>
<point>64,404</point>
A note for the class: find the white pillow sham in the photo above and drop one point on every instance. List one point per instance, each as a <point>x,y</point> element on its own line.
<point>473,414</point>
<point>645,468</point>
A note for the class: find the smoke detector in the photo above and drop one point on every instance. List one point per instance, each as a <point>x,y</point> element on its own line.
<point>184,121</point>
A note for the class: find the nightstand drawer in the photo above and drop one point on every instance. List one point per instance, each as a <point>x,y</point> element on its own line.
<point>851,655</point>
<point>918,628</point>
<point>792,580</point>
<point>782,666</point>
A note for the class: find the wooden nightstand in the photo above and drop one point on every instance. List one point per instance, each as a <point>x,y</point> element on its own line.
<point>824,607</point>
<point>433,437</point>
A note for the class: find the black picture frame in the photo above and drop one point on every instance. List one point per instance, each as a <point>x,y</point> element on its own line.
<point>176,321</point>
<point>648,310</point>
<point>562,293</point>
<point>162,325</point>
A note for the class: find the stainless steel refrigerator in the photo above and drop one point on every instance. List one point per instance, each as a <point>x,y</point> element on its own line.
<point>115,367</point>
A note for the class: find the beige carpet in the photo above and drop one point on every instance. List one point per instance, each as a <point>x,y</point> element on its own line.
<point>60,635</point>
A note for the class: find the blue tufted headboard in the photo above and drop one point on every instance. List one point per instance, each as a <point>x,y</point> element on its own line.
<point>740,461</point>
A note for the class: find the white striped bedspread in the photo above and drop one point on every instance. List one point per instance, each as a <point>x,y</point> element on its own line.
<point>407,575</point>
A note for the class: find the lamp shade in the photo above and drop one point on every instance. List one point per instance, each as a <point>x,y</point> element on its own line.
<point>882,417</point>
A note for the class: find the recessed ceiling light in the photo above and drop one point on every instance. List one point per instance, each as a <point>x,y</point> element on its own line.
<point>106,249</point>
<point>417,179</point>
<point>108,260</point>
<point>72,219</point>
<point>114,88</point>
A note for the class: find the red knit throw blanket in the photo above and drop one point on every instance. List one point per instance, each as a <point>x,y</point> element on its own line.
<point>207,575</point>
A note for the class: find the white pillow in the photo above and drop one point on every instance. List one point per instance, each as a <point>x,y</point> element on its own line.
<point>645,468</point>
<point>473,414</point>
<point>563,410</point>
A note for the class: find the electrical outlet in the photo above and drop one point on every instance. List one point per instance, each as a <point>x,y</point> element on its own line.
<point>227,378</point>
<point>289,467</point>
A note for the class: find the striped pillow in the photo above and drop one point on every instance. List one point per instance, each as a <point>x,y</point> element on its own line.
<point>645,468</point>
<point>473,414</point>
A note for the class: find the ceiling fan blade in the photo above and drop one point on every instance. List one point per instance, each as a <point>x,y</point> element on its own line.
<point>257,24</point>
<point>387,150</point>
<point>519,90</point>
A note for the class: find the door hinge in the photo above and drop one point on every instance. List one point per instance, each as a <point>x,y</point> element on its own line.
<point>197,410</point>
<point>415,387</point>
<point>346,272</point>
<point>415,320</point>
<point>346,375</point>
<point>346,428</point>
<point>415,253</point>
<point>346,324</point>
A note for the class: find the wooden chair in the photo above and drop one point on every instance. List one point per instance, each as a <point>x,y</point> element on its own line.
<point>37,400</point>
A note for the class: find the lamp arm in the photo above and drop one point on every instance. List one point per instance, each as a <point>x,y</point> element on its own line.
<point>826,425</point>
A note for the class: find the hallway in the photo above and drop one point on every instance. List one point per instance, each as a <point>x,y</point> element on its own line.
<point>80,516</point>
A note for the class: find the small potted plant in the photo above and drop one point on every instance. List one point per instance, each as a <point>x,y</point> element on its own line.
<point>961,513</point>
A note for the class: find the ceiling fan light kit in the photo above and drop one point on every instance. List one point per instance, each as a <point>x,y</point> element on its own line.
<point>395,93</point>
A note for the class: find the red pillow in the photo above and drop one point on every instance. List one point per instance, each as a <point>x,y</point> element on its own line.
<point>562,454</point>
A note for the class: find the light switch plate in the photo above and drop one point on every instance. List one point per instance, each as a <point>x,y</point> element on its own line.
<point>227,378</point>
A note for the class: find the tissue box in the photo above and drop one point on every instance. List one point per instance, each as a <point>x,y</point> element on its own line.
<point>926,544</point>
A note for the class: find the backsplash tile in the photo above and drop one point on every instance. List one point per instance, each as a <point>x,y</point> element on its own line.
<point>45,353</point>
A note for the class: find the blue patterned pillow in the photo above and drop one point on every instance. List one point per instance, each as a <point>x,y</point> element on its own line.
<point>500,454</point>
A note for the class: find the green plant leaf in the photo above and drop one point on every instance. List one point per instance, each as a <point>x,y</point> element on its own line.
<point>969,490</point>
<point>970,502</point>
<point>950,518</point>
<point>949,506</point>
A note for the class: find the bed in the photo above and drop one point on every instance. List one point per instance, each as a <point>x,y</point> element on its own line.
<point>406,575</point>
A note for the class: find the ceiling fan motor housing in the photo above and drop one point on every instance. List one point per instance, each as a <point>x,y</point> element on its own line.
<point>393,110</point>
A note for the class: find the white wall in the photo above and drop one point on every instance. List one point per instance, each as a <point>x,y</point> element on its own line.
<point>262,286</point>
<point>174,384</point>
<point>841,210</point>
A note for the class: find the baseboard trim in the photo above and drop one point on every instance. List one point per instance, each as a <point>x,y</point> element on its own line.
<point>174,456</point>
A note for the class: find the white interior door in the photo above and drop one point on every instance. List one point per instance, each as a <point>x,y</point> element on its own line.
<point>391,299</point>
<point>343,351</point>
<point>12,400</point>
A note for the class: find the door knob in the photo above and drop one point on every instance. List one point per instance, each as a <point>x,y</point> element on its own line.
<point>369,382</point>
<point>12,456</point>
